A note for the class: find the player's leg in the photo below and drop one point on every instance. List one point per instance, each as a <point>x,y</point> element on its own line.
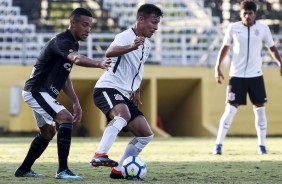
<point>224,125</point>
<point>50,110</point>
<point>261,126</point>
<point>109,136</point>
<point>37,147</point>
<point>64,131</point>
<point>40,142</point>
<point>235,96</point>
<point>112,103</point>
<point>53,112</point>
<point>142,136</point>
<point>258,97</point>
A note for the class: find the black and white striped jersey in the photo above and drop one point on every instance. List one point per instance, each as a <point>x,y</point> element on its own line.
<point>126,71</point>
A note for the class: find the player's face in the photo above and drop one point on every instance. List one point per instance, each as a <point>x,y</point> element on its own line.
<point>82,27</point>
<point>248,17</point>
<point>148,25</point>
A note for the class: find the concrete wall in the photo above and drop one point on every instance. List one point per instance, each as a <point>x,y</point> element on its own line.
<point>187,99</point>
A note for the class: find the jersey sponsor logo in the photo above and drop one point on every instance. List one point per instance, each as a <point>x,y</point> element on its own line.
<point>54,90</point>
<point>56,102</point>
<point>67,66</point>
<point>231,96</point>
<point>118,97</point>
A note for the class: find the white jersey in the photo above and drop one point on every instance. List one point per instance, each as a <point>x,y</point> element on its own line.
<point>126,71</point>
<point>247,43</point>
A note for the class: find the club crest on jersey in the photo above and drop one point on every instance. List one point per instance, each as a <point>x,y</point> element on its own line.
<point>231,96</point>
<point>147,50</point>
<point>118,97</point>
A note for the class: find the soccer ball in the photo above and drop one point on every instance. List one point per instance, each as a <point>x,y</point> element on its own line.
<point>134,168</point>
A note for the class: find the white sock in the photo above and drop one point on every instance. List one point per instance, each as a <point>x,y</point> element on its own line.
<point>110,134</point>
<point>225,122</point>
<point>261,124</point>
<point>130,150</point>
<point>108,139</point>
<point>134,147</point>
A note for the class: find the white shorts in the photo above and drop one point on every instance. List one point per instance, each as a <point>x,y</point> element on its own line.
<point>44,107</point>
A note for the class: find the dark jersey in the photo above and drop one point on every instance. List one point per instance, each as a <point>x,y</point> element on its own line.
<point>52,68</point>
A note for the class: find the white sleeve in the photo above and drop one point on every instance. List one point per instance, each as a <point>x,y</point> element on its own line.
<point>268,40</point>
<point>228,37</point>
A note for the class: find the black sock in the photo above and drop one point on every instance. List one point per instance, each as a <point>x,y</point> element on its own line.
<point>37,147</point>
<point>63,144</point>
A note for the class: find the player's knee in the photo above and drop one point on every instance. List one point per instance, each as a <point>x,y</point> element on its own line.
<point>47,135</point>
<point>126,116</point>
<point>118,122</point>
<point>120,110</point>
<point>230,110</point>
<point>261,121</point>
<point>68,118</point>
<point>228,115</point>
<point>64,117</point>
<point>52,133</point>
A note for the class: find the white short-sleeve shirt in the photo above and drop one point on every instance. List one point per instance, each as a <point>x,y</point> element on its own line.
<point>126,71</point>
<point>247,43</point>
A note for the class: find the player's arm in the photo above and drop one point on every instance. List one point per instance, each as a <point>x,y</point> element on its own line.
<point>276,56</point>
<point>84,61</point>
<point>220,58</point>
<point>136,98</point>
<point>115,51</point>
<point>69,91</point>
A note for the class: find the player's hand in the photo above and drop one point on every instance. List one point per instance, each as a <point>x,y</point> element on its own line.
<point>77,112</point>
<point>218,76</point>
<point>139,40</point>
<point>106,64</point>
<point>136,98</point>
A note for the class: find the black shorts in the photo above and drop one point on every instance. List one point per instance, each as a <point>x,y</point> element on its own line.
<point>239,87</point>
<point>106,98</point>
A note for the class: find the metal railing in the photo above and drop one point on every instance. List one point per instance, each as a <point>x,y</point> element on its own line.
<point>189,47</point>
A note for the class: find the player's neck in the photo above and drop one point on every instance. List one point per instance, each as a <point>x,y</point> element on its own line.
<point>136,31</point>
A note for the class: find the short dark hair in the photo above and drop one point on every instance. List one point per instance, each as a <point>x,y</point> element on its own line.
<point>248,5</point>
<point>148,9</point>
<point>76,13</point>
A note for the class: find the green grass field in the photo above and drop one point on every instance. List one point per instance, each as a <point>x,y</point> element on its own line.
<point>169,160</point>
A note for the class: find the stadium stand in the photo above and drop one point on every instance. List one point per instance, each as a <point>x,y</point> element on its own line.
<point>188,35</point>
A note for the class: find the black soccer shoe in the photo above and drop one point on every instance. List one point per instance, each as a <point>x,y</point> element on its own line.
<point>102,160</point>
<point>116,174</point>
<point>30,173</point>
